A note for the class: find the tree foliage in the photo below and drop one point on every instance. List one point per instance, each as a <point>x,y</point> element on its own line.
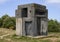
<point>7,22</point>
<point>0,22</point>
<point>10,23</point>
<point>53,26</point>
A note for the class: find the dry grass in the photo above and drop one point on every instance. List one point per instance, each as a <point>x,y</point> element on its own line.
<point>6,31</point>
<point>8,35</point>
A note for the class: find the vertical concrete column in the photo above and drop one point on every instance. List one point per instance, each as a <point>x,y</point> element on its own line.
<point>43,27</point>
<point>34,29</point>
<point>46,21</point>
<point>29,12</point>
<point>18,22</point>
<point>23,27</point>
<point>35,26</point>
<point>19,26</point>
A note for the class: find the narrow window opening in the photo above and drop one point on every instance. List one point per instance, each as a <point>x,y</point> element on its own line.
<point>24,12</point>
<point>39,12</point>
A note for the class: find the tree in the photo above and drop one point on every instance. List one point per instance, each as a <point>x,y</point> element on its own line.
<point>8,22</point>
<point>0,22</point>
<point>53,26</point>
<point>4,20</point>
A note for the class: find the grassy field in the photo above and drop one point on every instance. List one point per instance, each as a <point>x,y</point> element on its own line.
<point>7,35</point>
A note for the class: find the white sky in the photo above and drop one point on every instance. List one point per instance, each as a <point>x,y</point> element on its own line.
<point>47,1</point>
<point>53,1</point>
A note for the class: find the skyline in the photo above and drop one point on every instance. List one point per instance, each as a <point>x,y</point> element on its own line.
<point>9,7</point>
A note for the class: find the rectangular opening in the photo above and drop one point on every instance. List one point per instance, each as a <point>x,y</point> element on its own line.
<point>28,27</point>
<point>39,12</point>
<point>38,25</point>
<point>24,12</point>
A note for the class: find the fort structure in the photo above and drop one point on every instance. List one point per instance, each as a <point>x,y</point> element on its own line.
<point>31,20</point>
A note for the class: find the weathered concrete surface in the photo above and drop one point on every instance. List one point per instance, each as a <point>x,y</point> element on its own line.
<point>31,20</point>
<point>19,26</point>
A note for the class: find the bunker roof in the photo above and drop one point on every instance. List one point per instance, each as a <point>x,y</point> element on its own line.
<point>32,4</point>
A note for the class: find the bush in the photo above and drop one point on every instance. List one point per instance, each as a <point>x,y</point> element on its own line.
<point>53,26</point>
<point>7,22</point>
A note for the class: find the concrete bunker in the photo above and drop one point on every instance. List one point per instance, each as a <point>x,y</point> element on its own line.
<point>33,20</point>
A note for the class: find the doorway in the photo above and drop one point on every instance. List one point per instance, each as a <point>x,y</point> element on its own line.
<point>28,27</point>
<point>38,25</point>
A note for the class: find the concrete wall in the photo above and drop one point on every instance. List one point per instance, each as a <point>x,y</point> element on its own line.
<point>19,26</point>
<point>43,27</point>
<point>31,17</point>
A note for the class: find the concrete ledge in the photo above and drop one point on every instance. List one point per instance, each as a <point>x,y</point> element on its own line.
<point>37,36</point>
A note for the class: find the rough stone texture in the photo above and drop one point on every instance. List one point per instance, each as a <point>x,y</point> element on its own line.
<point>31,20</point>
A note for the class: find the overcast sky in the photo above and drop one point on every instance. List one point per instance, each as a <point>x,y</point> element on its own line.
<point>9,7</point>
